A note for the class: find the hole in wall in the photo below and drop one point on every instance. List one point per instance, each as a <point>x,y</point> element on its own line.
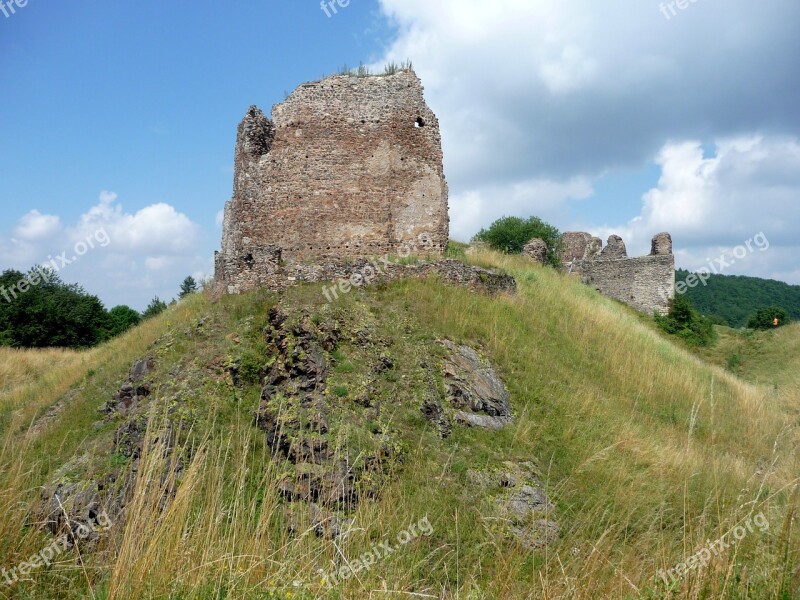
<point>420,122</point>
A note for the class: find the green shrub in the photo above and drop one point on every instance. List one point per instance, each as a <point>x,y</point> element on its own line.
<point>769,318</point>
<point>686,323</point>
<point>510,234</point>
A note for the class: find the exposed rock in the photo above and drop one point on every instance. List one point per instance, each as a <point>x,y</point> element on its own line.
<point>133,390</point>
<point>141,368</point>
<point>525,502</point>
<point>615,248</point>
<point>661,244</point>
<point>469,419</point>
<point>296,407</point>
<point>433,411</point>
<point>536,249</point>
<point>520,501</point>
<point>474,389</point>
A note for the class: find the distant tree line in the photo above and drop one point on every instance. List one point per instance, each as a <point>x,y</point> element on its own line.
<point>50,313</point>
<point>737,298</point>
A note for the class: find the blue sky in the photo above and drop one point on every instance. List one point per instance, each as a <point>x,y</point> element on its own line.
<point>610,119</point>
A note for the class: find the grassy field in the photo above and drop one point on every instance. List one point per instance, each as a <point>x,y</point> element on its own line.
<point>650,453</point>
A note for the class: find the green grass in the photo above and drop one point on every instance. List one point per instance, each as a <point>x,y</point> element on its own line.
<point>646,449</point>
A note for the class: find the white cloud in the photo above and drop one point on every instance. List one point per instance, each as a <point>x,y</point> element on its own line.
<point>128,258</point>
<point>711,204</point>
<point>220,218</point>
<point>470,210</point>
<point>36,226</point>
<point>537,100</point>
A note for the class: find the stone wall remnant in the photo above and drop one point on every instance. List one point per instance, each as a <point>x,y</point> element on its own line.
<point>536,249</point>
<point>647,283</point>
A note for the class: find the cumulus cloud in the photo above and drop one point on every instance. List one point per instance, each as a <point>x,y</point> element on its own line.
<point>124,257</point>
<point>713,202</point>
<point>537,100</point>
<point>541,197</point>
<point>36,226</point>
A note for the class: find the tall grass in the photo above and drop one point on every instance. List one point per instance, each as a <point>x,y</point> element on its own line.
<point>648,452</point>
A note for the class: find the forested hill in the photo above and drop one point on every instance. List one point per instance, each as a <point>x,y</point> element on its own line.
<point>736,297</point>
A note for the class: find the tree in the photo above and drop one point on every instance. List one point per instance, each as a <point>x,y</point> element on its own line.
<point>189,286</point>
<point>769,318</point>
<point>49,312</point>
<point>510,234</point>
<point>122,318</point>
<point>156,307</point>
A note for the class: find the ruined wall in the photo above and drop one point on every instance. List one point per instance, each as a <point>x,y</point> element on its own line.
<point>646,283</point>
<point>348,167</point>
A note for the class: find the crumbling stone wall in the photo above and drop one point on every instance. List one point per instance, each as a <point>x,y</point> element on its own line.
<point>646,283</point>
<point>348,167</point>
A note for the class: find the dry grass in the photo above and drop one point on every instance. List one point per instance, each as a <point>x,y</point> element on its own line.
<point>647,451</point>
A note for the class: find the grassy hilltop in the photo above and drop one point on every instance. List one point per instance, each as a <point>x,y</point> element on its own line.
<point>649,452</point>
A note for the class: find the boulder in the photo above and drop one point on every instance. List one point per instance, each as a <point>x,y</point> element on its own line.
<point>474,389</point>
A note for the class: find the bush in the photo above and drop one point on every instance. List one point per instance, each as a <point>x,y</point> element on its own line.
<point>686,323</point>
<point>510,234</point>
<point>765,318</point>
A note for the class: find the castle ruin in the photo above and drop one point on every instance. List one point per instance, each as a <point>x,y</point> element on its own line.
<point>647,283</point>
<point>348,167</point>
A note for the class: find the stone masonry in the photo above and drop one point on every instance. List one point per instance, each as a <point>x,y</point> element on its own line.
<point>348,167</point>
<point>646,283</point>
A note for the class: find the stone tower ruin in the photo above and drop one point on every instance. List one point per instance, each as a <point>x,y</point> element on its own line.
<point>347,167</point>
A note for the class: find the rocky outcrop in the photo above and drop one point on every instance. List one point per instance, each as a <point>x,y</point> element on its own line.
<point>521,503</point>
<point>133,390</point>
<point>474,394</point>
<point>295,414</point>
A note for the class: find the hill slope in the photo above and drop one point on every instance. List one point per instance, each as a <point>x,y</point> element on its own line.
<point>736,297</point>
<point>646,452</point>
